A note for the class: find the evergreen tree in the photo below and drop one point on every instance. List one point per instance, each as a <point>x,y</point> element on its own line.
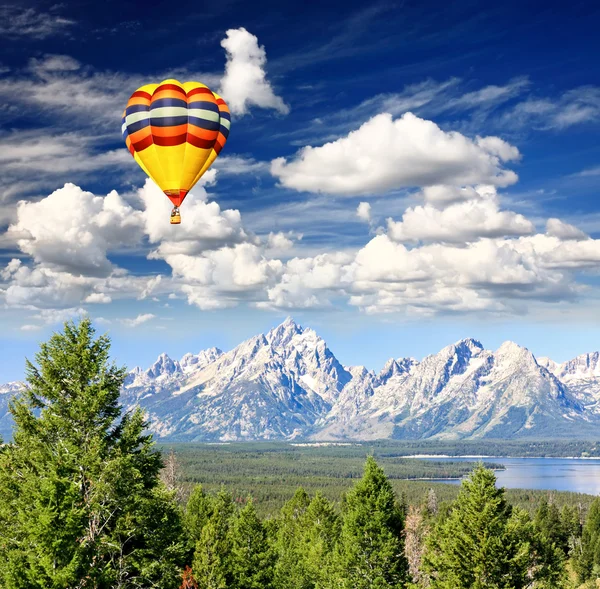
<point>82,505</point>
<point>587,562</point>
<point>485,544</point>
<point>211,566</point>
<point>198,511</point>
<point>570,517</point>
<point>290,572</point>
<point>252,557</point>
<point>371,549</point>
<point>550,525</point>
<point>321,532</point>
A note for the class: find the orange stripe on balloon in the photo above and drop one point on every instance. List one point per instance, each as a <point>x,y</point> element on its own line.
<point>169,131</point>
<point>202,133</point>
<point>141,134</point>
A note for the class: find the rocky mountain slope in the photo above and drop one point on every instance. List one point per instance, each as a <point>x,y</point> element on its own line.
<point>288,384</point>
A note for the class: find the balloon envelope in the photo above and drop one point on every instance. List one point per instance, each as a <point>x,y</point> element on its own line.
<point>175,132</point>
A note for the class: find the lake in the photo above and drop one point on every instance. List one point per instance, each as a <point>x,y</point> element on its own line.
<point>557,474</point>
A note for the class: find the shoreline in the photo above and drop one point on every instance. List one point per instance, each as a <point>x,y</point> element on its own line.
<point>503,457</point>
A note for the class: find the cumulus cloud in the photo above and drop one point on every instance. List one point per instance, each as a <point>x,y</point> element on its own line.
<point>363,212</point>
<point>244,83</point>
<point>459,222</point>
<point>203,225</point>
<point>141,318</point>
<point>386,154</point>
<point>98,297</point>
<point>457,252</point>
<point>280,241</point>
<point>71,230</point>
<point>562,230</point>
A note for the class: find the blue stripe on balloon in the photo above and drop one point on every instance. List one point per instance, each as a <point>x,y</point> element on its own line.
<point>131,129</point>
<point>169,121</point>
<point>136,108</point>
<point>168,102</point>
<point>205,105</point>
<point>204,123</point>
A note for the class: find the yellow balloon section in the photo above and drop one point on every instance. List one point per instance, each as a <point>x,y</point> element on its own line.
<point>175,132</point>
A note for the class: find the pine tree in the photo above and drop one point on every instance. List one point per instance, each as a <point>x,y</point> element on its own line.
<point>587,562</point>
<point>486,544</point>
<point>321,532</point>
<point>198,511</point>
<point>252,557</point>
<point>371,550</point>
<point>82,505</point>
<point>548,522</point>
<point>211,565</point>
<point>290,572</point>
<point>570,517</point>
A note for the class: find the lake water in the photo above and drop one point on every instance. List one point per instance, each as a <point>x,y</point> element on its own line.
<point>558,474</point>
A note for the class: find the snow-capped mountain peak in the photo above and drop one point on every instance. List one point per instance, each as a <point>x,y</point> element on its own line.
<point>287,383</point>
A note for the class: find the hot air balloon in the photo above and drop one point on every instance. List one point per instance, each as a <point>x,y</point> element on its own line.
<point>175,132</point>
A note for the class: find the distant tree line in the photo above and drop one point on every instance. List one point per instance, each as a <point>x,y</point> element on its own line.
<point>87,502</point>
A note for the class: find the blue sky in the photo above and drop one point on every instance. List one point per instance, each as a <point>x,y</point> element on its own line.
<point>398,176</point>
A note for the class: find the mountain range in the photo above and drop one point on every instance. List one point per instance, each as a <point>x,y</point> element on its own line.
<point>287,384</point>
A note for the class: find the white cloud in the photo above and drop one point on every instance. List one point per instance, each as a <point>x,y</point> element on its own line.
<point>98,297</point>
<point>203,224</point>
<point>235,165</point>
<point>17,22</point>
<point>564,231</point>
<point>30,327</point>
<point>459,222</point>
<point>363,212</point>
<point>280,241</point>
<point>595,171</point>
<point>244,83</point>
<point>574,107</point>
<point>151,286</point>
<point>385,154</point>
<point>72,230</point>
<point>53,316</point>
<point>141,318</point>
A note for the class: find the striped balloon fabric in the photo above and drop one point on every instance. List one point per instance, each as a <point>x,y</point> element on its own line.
<point>175,132</point>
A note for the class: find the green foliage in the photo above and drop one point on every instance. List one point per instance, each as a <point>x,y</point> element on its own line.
<point>484,543</point>
<point>212,558</point>
<point>272,471</point>
<point>554,527</point>
<point>306,535</point>
<point>252,557</point>
<point>199,509</point>
<point>371,548</point>
<point>587,558</point>
<point>82,504</point>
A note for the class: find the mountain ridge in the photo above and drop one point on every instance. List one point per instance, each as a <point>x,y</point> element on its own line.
<point>288,384</point>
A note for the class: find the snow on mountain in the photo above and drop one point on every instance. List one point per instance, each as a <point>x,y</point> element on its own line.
<point>270,386</point>
<point>582,376</point>
<point>288,384</point>
<point>465,391</point>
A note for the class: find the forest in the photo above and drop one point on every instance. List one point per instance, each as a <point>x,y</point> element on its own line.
<point>90,502</point>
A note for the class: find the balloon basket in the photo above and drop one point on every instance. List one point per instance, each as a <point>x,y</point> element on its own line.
<point>175,216</point>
